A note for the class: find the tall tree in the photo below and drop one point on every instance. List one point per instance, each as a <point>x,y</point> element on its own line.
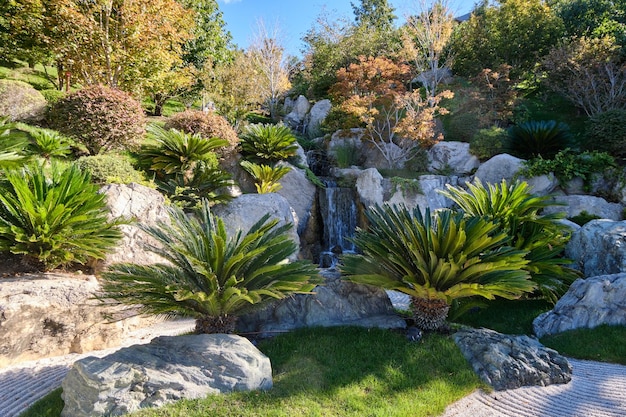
<point>594,18</point>
<point>376,14</point>
<point>22,25</point>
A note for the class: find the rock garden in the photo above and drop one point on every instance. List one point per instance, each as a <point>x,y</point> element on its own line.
<point>404,236</point>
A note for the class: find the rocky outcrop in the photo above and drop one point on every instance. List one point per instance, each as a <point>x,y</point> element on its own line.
<point>336,303</point>
<point>588,303</point>
<point>427,197</point>
<point>317,115</point>
<point>244,211</point>
<point>599,248</point>
<point>574,205</point>
<point>503,166</point>
<point>298,112</point>
<point>300,193</point>
<point>543,184</point>
<point>21,102</point>
<point>507,362</point>
<point>454,156</point>
<point>165,370</point>
<point>142,205</point>
<point>44,315</point>
<point>369,187</point>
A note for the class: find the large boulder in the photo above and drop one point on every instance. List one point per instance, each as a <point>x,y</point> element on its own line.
<point>574,205</point>
<point>428,196</point>
<point>21,102</point>
<point>599,248</point>
<point>300,193</point>
<point>241,213</point>
<point>369,187</point>
<point>503,166</point>
<point>507,362</point>
<point>588,303</point>
<point>352,139</point>
<point>336,303</point>
<point>318,113</point>
<point>43,315</point>
<point>455,156</point>
<point>542,184</point>
<point>142,205</point>
<point>165,370</point>
<point>298,112</point>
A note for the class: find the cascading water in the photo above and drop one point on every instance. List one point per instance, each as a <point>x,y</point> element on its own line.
<point>339,215</point>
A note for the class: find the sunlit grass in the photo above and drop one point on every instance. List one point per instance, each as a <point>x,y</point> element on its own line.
<point>603,343</point>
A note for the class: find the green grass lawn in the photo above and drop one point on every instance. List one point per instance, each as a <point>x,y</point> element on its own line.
<point>341,371</point>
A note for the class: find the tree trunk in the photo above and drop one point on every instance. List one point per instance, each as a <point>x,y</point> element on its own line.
<point>430,313</point>
<point>216,324</point>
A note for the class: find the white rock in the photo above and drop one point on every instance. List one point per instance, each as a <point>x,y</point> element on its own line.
<point>573,205</point>
<point>318,113</point>
<point>369,186</point>
<point>599,248</point>
<point>300,193</point>
<point>453,155</point>
<point>503,166</point>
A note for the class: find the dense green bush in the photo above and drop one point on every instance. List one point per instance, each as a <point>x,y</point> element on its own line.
<point>56,218</point>
<point>538,138</point>
<point>266,176</point>
<point>48,144</point>
<point>568,165</point>
<point>209,275</point>
<point>487,143</point>
<point>517,213</point>
<point>607,132</point>
<point>208,125</point>
<point>21,102</point>
<point>52,96</point>
<point>268,143</point>
<point>110,169</point>
<point>99,117</point>
<point>436,259</point>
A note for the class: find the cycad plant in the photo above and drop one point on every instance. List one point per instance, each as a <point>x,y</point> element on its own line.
<point>539,138</point>
<point>209,275</point>
<point>266,176</point>
<point>268,143</point>
<point>48,144</point>
<point>436,259</point>
<point>13,143</point>
<point>54,219</point>
<point>205,182</point>
<point>517,212</point>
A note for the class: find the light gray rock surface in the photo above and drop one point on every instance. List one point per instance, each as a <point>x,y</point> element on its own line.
<point>144,206</point>
<point>598,248</point>
<point>336,303</point>
<point>428,197</point>
<point>244,211</point>
<point>316,116</point>
<point>21,102</point>
<point>167,369</point>
<point>588,303</point>
<point>300,193</point>
<point>507,362</point>
<point>543,184</point>
<point>453,155</point>
<point>503,166</point>
<point>298,112</point>
<point>573,205</point>
<point>43,315</point>
<point>369,187</point>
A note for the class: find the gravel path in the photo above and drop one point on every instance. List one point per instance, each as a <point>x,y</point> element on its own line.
<point>596,390</point>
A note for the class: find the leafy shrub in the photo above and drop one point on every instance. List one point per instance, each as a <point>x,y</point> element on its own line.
<point>204,183</point>
<point>52,96</point>
<point>346,154</point>
<point>266,176</point>
<point>56,219</point>
<point>21,102</point>
<point>607,132</point>
<point>538,138</point>
<point>110,169</point>
<point>210,276</point>
<point>13,144</point>
<point>269,143</point>
<point>436,259</point>
<point>48,144</point>
<point>583,218</point>
<point>517,213</point>
<point>339,119</point>
<point>487,143</point>
<point>208,125</point>
<point>568,165</point>
<point>99,117</point>
<point>405,185</point>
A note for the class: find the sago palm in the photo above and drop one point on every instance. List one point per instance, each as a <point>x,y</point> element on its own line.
<point>268,143</point>
<point>54,218</point>
<point>266,176</point>
<point>209,275</point>
<point>517,212</point>
<point>13,143</point>
<point>436,259</point>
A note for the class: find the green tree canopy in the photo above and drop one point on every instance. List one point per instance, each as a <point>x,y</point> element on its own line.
<point>374,14</point>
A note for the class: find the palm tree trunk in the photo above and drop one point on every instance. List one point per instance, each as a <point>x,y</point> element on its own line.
<point>430,313</point>
<point>216,324</point>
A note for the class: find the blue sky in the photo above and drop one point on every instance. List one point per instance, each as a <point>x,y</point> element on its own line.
<point>295,17</point>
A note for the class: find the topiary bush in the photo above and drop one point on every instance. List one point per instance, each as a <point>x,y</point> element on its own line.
<point>487,143</point>
<point>21,102</point>
<point>99,117</point>
<point>607,132</point>
<point>110,169</point>
<point>208,125</point>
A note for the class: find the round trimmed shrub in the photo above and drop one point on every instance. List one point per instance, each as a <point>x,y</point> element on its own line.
<point>110,169</point>
<point>208,125</point>
<point>488,143</point>
<point>100,118</point>
<point>21,102</point>
<point>607,132</point>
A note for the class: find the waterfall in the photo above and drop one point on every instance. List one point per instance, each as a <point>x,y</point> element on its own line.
<point>339,215</point>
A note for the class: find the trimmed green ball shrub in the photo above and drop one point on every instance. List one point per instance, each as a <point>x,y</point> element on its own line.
<point>110,169</point>
<point>21,102</point>
<point>99,117</point>
<point>208,125</point>
<point>487,143</point>
<point>607,132</point>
